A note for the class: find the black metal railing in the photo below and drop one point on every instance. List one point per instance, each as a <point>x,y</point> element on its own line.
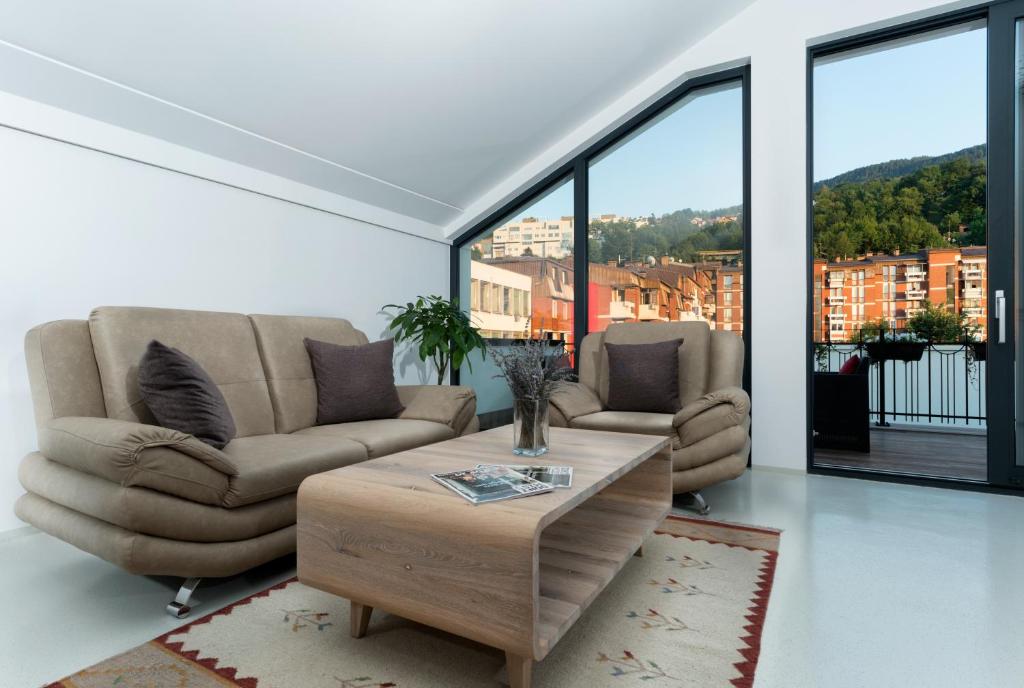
<point>916,382</point>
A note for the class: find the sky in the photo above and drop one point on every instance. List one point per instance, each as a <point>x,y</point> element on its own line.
<point>924,98</point>
<point>691,157</point>
<point>921,98</point>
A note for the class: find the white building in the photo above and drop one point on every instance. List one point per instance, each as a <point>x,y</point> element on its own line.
<point>532,236</point>
<point>500,301</point>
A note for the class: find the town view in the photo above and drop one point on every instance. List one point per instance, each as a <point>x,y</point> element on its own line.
<point>899,240</point>
<point>686,265</point>
<point>890,241</point>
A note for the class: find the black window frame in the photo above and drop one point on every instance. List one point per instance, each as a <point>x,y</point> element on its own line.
<point>577,169</point>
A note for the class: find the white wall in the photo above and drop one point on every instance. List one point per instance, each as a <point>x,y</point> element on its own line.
<point>82,228</point>
<point>772,36</point>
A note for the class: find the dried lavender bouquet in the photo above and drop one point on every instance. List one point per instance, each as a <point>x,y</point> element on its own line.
<point>533,370</point>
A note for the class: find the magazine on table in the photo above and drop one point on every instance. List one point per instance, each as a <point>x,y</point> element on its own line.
<point>556,476</point>
<point>490,484</point>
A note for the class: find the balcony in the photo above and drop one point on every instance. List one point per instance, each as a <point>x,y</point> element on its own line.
<point>916,294</point>
<point>837,299</point>
<point>837,317</point>
<point>648,312</point>
<point>973,293</point>
<point>925,417</point>
<point>836,280</point>
<point>972,273</point>
<point>915,273</point>
<point>974,311</point>
<point>621,310</point>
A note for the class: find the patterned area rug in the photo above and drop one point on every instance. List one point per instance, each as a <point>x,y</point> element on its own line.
<point>689,613</point>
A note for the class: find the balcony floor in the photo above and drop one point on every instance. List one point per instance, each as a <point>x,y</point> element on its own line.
<point>916,452</point>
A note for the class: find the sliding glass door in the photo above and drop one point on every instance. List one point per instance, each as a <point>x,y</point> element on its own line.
<point>915,250</point>
<point>1006,194</point>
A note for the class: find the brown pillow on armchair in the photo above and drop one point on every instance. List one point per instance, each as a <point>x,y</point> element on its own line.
<point>354,382</point>
<point>644,377</point>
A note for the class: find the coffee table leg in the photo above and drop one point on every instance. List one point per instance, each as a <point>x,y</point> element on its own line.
<point>519,670</point>
<point>360,619</point>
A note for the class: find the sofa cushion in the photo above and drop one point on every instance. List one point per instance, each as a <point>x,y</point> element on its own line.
<point>182,395</point>
<point>354,383</point>
<point>274,465</point>
<point>644,377</point>
<point>222,343</point>
<point>638,422</point>
<point>693,354</point>
<point>286,361</point>
<point>385,436</point>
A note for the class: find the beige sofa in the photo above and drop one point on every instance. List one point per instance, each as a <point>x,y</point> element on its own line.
<point>156,501</point>
<point>710,433</point>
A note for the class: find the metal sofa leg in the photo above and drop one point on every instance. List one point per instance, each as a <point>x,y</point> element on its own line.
<point>700,505</point>
<point>180,607</point>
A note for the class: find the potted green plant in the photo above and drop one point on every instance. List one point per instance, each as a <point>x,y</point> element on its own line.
<point>441,330</point>
<point>533,370</point>
<point>883,344</point>
<point>938,325</point>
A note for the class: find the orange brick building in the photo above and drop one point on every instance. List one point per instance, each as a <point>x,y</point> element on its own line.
<point>850,293</point>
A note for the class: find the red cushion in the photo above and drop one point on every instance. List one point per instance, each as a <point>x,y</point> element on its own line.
<point>851,365</point>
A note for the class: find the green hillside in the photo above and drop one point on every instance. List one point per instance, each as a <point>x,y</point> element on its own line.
<point>925,203</point>
<point>902,166</point>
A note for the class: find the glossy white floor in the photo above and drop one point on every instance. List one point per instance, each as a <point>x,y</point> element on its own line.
<point>877,585</point>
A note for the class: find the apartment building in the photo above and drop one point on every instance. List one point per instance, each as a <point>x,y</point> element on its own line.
<point>500,301</point>
<point>849,293</point>
<point>552,297</point>
<point>533,236</point>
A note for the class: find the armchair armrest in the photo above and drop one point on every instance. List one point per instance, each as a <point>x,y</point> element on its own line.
<point>451,405</point>
<point>134,454</point>
<point>574,399</point>
<point>712,413</point>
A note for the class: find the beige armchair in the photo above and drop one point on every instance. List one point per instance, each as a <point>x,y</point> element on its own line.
<point>710,433</point>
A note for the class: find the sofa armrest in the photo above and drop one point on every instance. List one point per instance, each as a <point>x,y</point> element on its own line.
<point>574,399</point>
<point>137,455</point>
<point>451,405</point>
<point>712,413</point>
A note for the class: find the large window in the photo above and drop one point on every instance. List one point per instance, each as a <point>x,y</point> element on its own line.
<point>648,224</point>
<point>665,238</point>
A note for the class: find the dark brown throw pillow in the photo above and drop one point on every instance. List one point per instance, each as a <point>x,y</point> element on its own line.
<point>354,382</point>
<point>183,397</point>
<point>644,377</point>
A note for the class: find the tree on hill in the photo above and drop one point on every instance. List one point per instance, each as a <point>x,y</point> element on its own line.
<point>923,209</point>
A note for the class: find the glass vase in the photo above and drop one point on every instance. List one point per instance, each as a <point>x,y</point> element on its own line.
<point>529,427</point>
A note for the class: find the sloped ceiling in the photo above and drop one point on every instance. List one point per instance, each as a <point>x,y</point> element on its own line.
<point>415,106</point>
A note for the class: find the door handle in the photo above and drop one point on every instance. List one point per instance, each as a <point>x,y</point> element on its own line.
<point>1001,314</point>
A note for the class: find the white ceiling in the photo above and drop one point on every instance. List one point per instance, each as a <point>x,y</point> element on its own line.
<point>416,106</point>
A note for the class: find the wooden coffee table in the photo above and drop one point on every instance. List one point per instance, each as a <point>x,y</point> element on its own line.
<point>514,574</point>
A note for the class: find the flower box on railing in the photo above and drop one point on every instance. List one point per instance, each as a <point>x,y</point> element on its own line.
<point>895,351</point>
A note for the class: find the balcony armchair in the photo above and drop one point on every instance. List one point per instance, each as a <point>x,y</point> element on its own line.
<point>157,501</point>
<point>710,433</point>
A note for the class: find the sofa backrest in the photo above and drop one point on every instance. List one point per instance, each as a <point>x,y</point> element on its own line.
<point>224,344</point>
<point>694,355</point>
<point>62,371</point>
<point>287,366</point>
